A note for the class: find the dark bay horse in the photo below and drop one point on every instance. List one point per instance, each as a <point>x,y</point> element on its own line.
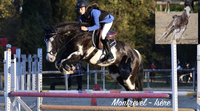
<point>126,69</point>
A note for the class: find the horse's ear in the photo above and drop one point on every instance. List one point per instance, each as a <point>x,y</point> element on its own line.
<point>52,27</point>
<point>44,28</point>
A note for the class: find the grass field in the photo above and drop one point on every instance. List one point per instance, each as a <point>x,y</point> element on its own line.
<point>176,7</point>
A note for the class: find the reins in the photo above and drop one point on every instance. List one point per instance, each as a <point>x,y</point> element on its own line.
<point>57,39</point>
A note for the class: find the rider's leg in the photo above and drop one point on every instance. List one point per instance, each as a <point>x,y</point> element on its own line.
<point>105,29</point>
<point>105,42</point>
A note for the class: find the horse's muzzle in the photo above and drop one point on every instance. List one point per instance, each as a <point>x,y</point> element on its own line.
<point>50,58</point>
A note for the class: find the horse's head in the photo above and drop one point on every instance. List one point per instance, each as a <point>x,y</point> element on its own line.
<point>187,10</point>
<point>52,43</point>
<point>63,32</point>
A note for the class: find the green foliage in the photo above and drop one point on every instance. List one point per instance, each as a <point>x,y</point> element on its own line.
<point>134,22</point>
<point>6,8</point>
<point>176,7</point>
<point>67,11</point>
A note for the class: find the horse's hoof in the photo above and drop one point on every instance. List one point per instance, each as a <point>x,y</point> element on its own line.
<point>63,71</point>
<point>73,67</point>
<point>67,67</point>
<point>110,60</point>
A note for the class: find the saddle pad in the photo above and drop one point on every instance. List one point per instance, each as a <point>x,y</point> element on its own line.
<point>111,34</point>
<point>96,40</point>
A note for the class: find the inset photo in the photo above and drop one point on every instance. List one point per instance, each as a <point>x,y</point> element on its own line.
<point>176,20</point>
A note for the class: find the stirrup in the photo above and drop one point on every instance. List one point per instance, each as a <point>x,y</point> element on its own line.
<point>107,58</point>
<point>110,58</point>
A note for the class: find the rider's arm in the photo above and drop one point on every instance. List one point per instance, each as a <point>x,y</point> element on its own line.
<point>80,19</point>
<point>95,15</point>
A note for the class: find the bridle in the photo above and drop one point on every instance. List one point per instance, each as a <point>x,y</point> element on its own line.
<point>54,35</point>
<point>57,40</point>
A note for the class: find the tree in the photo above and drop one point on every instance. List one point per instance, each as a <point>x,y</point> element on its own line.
<point>134,22</point>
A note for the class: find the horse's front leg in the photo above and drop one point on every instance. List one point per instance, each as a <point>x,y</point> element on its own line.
<point>68,69</point>
<point>64,68</point>
<point>57,64</point>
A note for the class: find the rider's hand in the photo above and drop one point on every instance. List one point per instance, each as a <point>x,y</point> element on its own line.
<point>84,28</point>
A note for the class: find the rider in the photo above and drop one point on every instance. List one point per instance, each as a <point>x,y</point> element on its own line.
<point>94,16</point>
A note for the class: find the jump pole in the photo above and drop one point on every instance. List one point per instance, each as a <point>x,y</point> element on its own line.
<point>39,74</point>
<point>88,76</point>
<point>106,108</point>
<point>198,77</point>
<point>180,93</point>
<point>91,95</point>
<point>174,75</point>
<point>7,78</point>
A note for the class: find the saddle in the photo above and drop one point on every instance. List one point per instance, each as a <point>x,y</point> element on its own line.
<point>96,38</point>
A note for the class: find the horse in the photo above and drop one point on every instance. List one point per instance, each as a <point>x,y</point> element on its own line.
<point>177,26</point>
<point>126,69</point>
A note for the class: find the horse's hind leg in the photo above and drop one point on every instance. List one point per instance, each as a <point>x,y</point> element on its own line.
<point>115,73</point>
<point>168,34</point>
<point>175,31</point>
<point>121,83</point>
<point>162,35</point>
<point>181,33</point>
<point>132,87</point>
<point>169,28</point>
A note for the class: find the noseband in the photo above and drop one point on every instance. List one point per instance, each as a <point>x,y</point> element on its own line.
<point>54,35</point>
<point>57,40</point>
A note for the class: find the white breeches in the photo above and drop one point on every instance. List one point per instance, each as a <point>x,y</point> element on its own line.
<point>105,29</point>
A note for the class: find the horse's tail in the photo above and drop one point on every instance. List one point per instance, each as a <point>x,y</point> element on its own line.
<point>139,75</point>
<point>139,79</point>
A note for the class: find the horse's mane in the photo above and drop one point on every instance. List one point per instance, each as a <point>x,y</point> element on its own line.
<point>71,23</point>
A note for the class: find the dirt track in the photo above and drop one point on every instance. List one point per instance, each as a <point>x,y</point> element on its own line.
<point>162,20</point>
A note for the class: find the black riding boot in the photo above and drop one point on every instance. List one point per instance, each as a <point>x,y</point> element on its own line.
<point>109,56</point>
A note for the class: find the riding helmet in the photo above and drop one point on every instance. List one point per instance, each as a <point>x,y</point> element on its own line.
<point>81,3</point>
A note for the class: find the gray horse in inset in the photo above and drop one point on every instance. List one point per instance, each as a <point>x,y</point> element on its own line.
<point>177,25</point>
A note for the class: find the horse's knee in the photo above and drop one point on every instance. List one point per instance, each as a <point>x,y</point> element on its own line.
<point>65,69</point>
<point>57,65</point>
